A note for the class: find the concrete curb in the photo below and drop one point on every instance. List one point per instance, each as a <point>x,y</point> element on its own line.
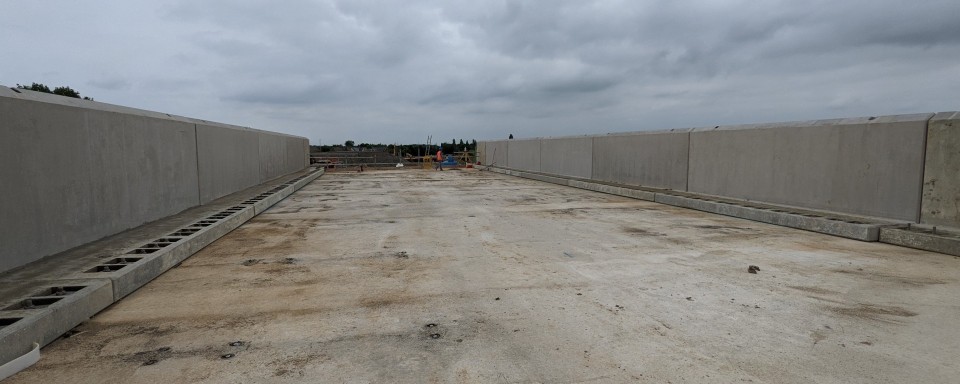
<point>831,225</point>
<point>857,228</point>
<point>59,302</point>
<point>922,239</point>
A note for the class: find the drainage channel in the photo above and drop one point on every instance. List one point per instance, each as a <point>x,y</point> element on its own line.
<point>117,263</point>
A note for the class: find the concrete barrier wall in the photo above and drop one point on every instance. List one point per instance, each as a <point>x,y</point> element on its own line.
<point>571,157</point>
<point>75,171</point>
<point>649,159</point>
<point>524,155</point>
<point>496,153</point>
<point>876,166</point>
<point>860,166</point>
<point>229,160</point>
<point>482,152</point>
<point>941,174</point>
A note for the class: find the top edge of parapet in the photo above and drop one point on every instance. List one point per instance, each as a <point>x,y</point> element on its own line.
<point>25,94</point>
<point>886,119</point>
<point>950,115</point>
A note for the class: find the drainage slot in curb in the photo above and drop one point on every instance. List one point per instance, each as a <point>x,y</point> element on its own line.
<point>142,251</point>
<point>154,245</point>
<point>7,321</point>
<point>60,291</point>
<point>106,268</point>
<point>33,303</point>
<point>123,260</point>
<point>168,240</point>
<point>185,232</point>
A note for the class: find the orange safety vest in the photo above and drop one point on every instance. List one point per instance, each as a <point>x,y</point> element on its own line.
<point>440,156</point>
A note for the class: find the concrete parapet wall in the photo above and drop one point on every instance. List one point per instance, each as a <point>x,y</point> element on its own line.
<point>865,166</point>
<point>524,155</point>
<point>229,160</point>
<point>75,171</point>
<point>941,174</point>
<point>571,156</point>
<point>648,159</point>
<point>495,153</point>
<point>902,168</point>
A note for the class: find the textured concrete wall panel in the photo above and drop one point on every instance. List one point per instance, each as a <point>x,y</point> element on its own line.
<point>272,156</point>
<point>72,175</point>
<point>867,166</point>
<point>496,153</point>
<point>229,160</point>
<point>524,155</point>
<point>75,171</point>
<point>649,159</point>
<point>941,175</point>
<point>572,156</point>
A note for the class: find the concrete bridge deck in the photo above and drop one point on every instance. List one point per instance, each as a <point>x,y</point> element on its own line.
<point>469,277</point>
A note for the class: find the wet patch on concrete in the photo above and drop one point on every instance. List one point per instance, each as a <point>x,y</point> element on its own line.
<point>886,314</point>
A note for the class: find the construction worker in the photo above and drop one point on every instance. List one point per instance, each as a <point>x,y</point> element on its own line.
<point>439,164</point>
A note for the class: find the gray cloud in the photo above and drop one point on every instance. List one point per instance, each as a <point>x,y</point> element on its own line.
<point>400,70</point>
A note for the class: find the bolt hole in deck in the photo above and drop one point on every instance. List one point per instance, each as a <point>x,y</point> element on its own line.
<point>33,303</point>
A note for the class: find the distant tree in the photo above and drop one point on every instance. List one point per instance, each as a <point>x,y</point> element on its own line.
<point>348,144</point>
<point>62,91</point>
<point>511,137</point>
<point>461,143</point>
<point>66,91</point>
<point>35,87</point>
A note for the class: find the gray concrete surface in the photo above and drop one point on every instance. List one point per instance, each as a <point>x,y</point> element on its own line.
<point>464,276</point>
<point>941,174</point>
<point>568,156</point>
<point>648,159</point>
<point>863,166</point>
<point>77,170</point>
<point>524,155</point>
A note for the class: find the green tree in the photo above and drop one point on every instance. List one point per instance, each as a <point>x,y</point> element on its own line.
<point>348,144</point>
<point>66,91</point>
<point>62,91</point>
<point>35,87</point>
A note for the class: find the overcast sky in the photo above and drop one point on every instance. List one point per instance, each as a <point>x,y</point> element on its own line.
<point>397,71</point>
